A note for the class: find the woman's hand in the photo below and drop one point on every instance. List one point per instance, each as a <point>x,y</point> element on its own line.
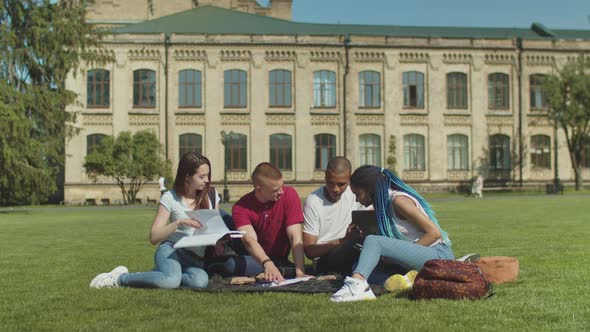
<point>189,222</point>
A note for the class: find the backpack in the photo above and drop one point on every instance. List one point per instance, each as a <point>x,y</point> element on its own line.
<point>450,279</point>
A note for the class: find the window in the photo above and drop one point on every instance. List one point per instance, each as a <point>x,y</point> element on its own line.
<point>499,152</point>
<point>189,88</point>
<point>541,151</point>
<point>281,151</point>
<point>456,91</point>
<point>369,89</point>
<point>97,88</point>
<point>498,91</point>
<point>413,89</point>
<point>235,152</point>
<point>144,88</point>
<point>538,95</point>
<point>325,149</point>
<point>324,88</point>
<point>280,88</point>
<point>92,142</point>
<point>370,149</point>
<point>414,152</point>
<point>189,143</point>
<point>458,152</point>
<point>235,94</point>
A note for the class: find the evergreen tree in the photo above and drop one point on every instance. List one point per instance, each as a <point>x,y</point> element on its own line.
<point>40,43</point>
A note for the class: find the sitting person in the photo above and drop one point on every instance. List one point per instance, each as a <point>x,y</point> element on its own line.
<point>410,233</point>
<point>174,267</point>
<point>271,216</point>
<point>328,237</point>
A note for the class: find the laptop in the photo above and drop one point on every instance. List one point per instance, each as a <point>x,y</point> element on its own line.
<point>366,221</point>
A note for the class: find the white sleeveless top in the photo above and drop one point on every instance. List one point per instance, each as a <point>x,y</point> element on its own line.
<point>408,229</point>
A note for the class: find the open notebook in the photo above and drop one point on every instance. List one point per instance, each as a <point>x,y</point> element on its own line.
<point>212,231</point>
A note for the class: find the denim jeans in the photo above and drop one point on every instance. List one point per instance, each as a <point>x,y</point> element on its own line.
<point>173,268</point>
<point>405,253</point>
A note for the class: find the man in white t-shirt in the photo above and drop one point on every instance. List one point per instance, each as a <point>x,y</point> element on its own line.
<point>327,237</point>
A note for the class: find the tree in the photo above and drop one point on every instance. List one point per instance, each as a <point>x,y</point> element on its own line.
<point>391,161</point>
<point>131,160</point>
<point>568,96</point>
<point>40,43</point>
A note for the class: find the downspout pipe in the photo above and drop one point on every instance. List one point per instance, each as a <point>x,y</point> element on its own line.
<point>346,44</point>
<point>166,46</point>
<point>520,135</point>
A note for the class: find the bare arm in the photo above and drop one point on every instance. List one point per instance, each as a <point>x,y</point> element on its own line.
<point>313,249</point>
<point>295,238</point>
<point>250,241</point>
<point>407,209</point>
<point>161,229</point>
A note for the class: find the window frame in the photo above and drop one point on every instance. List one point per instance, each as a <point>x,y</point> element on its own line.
<point>370,150</point>
<point>95,139</point>
<point>235,89</point>
<point>324,88</point>
<point>184,147</point>
<point>458,143</point>
<point>540,151</point>
<point>369,88</point>
<point>412,148</point>
<point>457,91</point>
<point>413,81</point>
<point>149,85</point>
<point>499,91</point>
<point>280,87</point>
<point>499,148</point>
<point>234,148</point>
<point>324,142</point>
<point>281,151</point>
<point>190,87</point>
<point>536,93</point>
<point>103,85</point>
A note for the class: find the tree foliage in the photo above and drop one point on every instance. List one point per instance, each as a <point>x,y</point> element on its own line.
<point>40,43</point>
<point>568,96</point>
<point>131,160</point>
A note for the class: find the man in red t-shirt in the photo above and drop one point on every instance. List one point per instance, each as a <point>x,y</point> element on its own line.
<point>271,216</point>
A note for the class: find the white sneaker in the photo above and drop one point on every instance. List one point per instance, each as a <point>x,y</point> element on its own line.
<point>109,279</point>
<point>353,290</point>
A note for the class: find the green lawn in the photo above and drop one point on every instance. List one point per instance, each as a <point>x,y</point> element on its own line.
<point>49,256</point>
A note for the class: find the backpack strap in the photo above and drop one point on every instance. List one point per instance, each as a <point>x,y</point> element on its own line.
<point>212,197</point>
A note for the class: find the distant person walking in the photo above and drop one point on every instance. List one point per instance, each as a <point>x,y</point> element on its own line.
<point>162,181</point>
<point>477,187</point>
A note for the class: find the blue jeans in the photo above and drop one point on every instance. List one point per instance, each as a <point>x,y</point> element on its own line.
<point>405,253</point>
<point>174,268</point>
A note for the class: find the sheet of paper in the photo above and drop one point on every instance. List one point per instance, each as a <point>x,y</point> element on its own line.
<point>211,220</point>
<point>290,281</point>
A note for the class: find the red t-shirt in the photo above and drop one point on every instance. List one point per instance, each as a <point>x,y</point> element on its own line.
<point>270,220</point>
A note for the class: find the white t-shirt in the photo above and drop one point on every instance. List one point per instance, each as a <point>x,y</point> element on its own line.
<point>408,229</point>
<point>173,203</point>
<point>326,220</point>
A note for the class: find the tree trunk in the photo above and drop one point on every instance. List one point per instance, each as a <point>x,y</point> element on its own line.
<point>578,176</point>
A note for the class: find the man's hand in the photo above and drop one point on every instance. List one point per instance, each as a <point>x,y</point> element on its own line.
<point>353,232</point>
<point>271,273</point>
<point>189,222</point>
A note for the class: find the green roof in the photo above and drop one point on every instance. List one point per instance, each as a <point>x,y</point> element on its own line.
<point>215,20</point>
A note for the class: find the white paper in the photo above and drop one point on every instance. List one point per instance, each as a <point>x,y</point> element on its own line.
<point>213,229</point>
<point>290,281</point>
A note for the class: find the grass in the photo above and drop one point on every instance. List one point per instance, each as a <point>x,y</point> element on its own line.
<point>49,256</point>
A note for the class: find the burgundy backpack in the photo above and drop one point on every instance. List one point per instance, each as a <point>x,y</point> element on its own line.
<point>450,279</point>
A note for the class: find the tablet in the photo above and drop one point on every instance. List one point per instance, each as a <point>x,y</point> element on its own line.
<point>366,221</point>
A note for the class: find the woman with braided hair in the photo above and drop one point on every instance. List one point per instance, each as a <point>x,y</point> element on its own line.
<point>409,236</point>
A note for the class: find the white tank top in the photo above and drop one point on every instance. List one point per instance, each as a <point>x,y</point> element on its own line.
<point>408,229</point>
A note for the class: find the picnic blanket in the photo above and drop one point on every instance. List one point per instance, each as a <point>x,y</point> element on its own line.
<point>218,284</point>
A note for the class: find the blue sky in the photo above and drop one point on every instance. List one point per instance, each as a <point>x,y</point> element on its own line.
<point>554,14</point>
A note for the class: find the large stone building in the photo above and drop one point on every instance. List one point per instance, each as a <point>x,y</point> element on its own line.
<point>242,84</point>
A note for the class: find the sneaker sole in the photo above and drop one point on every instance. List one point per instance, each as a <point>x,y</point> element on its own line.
<point>367,296</point>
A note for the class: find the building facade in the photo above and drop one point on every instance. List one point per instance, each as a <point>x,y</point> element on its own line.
<point>437,105</point>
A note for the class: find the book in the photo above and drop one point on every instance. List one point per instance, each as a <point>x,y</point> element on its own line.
<point>213,230</point>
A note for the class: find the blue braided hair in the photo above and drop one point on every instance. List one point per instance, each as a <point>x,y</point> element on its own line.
<point>383,180</point>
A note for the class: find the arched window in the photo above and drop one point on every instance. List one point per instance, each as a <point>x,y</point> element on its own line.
<point>541,151</point>
<point>98,88</point>
<point>189,88</point>
<point>236,152</point>
<point>499,152</point>
<point>538,95</point>
<point>414,152</point>
<point>369,89</point>
<point>370,149</point>
<point>456,91</point>
<point>413,82</point>
<point>235,88</point>
<point>92,142</point>
<point>324,88</point>
<point>325,149</point>
<point>458,152</point>
<point>281,151</point>
<point>498,91</point>
<point>189,143</point>
<point>144,88</point>
<point>280,88</point>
